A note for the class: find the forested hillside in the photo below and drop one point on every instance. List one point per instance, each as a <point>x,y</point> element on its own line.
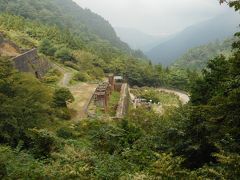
<point>218,28</point>
<point>39,139</point>
<point>197,58</point>
<point>66,14</point>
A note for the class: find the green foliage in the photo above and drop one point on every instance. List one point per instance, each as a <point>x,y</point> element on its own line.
<point>235,4</point>
<point>169,167</point>
<point>145,145</point>
<point>52,76</point>
<point>61,97</point>
<point>81,76</point>
<point>64,54</point>
<point>215,76</point>
<point>63,113</point>
<point>18,165</point>
<point>25,103</point>
<point>91,28</point>
<point>65,133</point>
<point>47,48</point>
<point>213,121</point>
<point>150,95</point>
<point>197,58</point>
<point>113,103</point>
<point>96,73</point>
<point>109,167</point>
<point>71,65</point>
<point>94,57</point>
<point>42,143</point>
<point>114,139</point>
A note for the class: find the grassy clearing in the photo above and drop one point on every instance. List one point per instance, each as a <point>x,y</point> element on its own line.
<point>112,107</point>
<point>113,103</point>
<point>162,101</point>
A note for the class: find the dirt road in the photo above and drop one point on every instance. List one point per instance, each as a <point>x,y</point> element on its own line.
<point>184,98</point>
<point>82,92</point>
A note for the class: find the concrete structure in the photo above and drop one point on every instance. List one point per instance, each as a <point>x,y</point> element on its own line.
<point>23,60</point>
<point>30,62</point>
<point>123,103</point>
<point>102,94</point>
<point>111,81</point>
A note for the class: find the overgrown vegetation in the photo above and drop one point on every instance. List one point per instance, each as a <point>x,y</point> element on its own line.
<point>196,141</point>
<point>90,59</point>
<point>197,58</point>
<point>113,103</point>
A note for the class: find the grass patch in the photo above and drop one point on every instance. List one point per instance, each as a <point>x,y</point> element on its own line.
<point>113,103</point>
<point>162,101</point>
<point>52,77</point>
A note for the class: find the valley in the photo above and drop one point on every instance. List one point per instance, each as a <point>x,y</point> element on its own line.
<point>77,102</point>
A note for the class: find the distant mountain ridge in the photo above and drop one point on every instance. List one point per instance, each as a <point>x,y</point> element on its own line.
<point>219,28</point>
<point>137,39</point>
<point>198,57</point>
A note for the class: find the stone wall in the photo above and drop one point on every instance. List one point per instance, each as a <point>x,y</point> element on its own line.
<point>123,102</point>
<point>30,62</point>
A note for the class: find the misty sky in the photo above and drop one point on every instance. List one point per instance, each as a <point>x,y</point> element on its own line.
<point>156,17</point>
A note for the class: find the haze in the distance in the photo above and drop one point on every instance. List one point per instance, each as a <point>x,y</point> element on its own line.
<point>155,17</point>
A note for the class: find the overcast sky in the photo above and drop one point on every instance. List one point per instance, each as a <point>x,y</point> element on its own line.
<point>155,17</point>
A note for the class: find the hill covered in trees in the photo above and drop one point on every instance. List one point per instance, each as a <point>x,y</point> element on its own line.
<point>218,28</point>
<point>198,57</point>
<point>38,139</point>
<point>66,14</point>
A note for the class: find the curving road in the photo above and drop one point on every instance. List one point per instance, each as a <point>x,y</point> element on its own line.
<point>183,97</point>
<point>81,92</point>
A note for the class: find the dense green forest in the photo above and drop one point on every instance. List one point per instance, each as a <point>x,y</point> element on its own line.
<point>219,27</point>
<point>66,14</point>
<point>38,140</point>
<point>197,58</point>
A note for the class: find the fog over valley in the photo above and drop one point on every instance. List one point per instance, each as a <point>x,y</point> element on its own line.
<point>120,89</point>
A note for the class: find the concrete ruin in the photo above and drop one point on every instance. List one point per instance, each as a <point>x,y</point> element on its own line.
<point>32,63</point>
<point>23,60</point>
<point>102,94</point>
<point>123,103</point>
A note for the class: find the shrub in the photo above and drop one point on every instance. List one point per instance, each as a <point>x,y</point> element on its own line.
<point>96,73</point>
<point>64,54</point>
<point>52,76</point>
<point>42,142</point>
<point>65,133</point>
<point>50,79</point>
<point>71,65</point>
<point>61,97</point>
<point>19,165</point>
<point>3,171</point>
<point>81,76</point>
<point>47,48</point>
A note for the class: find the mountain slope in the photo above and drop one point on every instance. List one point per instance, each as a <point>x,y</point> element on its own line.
<point>197,58</point>
<point>219,27</point>
<point>66,14</point>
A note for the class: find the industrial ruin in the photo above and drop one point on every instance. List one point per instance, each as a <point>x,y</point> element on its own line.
<point>102,94</point>
<point>32,63</point>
